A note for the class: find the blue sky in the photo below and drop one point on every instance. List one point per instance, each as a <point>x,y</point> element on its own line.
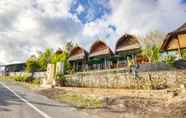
<point>92,9</point>
<point>27,26</point>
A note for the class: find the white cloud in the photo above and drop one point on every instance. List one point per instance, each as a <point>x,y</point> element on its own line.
<point>147,15</point>
<point>80,9</point>
<point>34,25</point>
<point>53,8</point>
<point>30,25</point>
<point>137,17</point>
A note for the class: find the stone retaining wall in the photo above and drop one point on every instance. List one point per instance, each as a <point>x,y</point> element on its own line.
<point>121,78</point>
<point>38,75</point>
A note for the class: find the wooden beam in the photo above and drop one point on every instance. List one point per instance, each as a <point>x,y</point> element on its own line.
<point>179,49</point>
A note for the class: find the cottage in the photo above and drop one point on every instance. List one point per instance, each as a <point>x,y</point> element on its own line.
<point>78,58</point>
<point>175,41</point>
<point>126,46</point>
<point>100,55</point>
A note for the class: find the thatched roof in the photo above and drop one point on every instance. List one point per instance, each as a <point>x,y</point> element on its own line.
<point>181,29</point>
<point>99,48</point>
<point>77,53</point>
<point>173,36</point>
<point>127,43</point>
<point>166,42</point>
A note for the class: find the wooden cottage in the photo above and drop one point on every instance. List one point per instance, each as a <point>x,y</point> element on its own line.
<point>78,58</point>
<point>127,46</point>
<point>175,41</point>
<point>100,55</point>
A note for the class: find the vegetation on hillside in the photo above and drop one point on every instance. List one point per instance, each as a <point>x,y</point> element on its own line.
<point>39,62</point>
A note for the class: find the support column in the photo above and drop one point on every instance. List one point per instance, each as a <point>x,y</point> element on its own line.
<point>105,63</point>
<point>179,49</point>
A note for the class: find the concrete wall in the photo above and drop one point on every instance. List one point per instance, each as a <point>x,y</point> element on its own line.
<point>121,78</point>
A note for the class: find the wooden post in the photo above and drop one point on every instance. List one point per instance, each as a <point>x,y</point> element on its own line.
<point>117,62</point>
<point>74,66</point>
<point>105,63</point>
<point>83,65</point>
<point>179,49</point>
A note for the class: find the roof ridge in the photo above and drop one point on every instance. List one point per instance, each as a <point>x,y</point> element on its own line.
<point>181,28</point>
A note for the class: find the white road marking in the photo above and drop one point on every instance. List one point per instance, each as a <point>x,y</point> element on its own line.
<point>27,102</point>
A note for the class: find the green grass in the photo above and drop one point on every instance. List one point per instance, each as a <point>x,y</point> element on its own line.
<point>30,85</point>
<point>80,101</point>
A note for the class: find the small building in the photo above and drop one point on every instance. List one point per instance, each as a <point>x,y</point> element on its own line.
<point>78,58</point>
<point>100,56</point>
<point>175,41</point>
<point>18,67</point>
<point>126,47</point>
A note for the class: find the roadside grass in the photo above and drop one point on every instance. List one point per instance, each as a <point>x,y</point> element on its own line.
<point>73,98</point>
<point>81,101</point>
<point>30,86</point>
<point>6,78</point>
<point>34,85</point>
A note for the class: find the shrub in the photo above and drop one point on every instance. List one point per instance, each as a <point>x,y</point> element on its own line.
<point>36,81</point>
<point>60,77</point>
<point>22,78</point>
<point>32,64</point>
<point>169,59</point>
<point>60,80</point>
<point>183,53</point>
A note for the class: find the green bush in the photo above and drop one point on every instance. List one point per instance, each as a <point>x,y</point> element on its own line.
<point>22,78</point>
<point>60,77</point>
<point>183,53</point>
<point>169,59</point>
<point>60,80</point>
<point>27,79</point>
<point>36,81</point>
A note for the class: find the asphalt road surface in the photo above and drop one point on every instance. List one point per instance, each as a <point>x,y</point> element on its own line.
<point>18,102</point>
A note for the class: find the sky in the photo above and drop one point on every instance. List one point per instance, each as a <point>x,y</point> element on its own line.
<point>28,26</point>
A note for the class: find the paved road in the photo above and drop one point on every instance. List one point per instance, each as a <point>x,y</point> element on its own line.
<point>18,102</point>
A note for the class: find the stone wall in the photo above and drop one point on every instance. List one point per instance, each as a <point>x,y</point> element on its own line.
<point>38,75</point>
<point>122,78</point>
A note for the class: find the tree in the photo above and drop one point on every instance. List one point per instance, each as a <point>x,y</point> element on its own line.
<point>61,57</point>
<point>44,59</point>
<point>56,57</point>
<point>152,53</point>
<point>151,46</point>
<point>32,64</point>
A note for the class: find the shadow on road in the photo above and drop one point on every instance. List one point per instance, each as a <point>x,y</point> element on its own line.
<point>7,99</point>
